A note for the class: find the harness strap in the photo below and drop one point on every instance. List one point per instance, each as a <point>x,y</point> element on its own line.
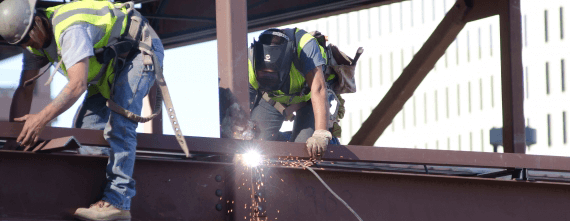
<point>151,63</point>
<point>286,110</point>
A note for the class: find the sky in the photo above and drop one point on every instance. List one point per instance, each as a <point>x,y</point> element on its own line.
<point>191,73</point>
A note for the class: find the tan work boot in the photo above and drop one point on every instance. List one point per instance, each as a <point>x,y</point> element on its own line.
<point>102,211</point>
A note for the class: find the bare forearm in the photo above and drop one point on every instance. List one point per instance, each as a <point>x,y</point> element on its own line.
<point>66,98</point>
<point>22,99</point>
<point>318,100</point>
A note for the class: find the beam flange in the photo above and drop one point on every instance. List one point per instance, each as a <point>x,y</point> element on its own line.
<point>422,63</point>
<point>230,147</point>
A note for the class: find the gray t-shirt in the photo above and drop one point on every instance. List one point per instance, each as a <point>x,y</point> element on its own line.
<point>311,57</point>
<point>77,42</point>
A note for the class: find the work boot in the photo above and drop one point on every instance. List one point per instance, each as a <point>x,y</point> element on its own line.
<point>102,211</point>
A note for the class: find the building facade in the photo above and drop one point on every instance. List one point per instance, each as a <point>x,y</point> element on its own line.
<point>459,101</point>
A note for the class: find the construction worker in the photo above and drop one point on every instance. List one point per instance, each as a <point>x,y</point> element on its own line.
<point>286,76</point>
<point>87,40</point>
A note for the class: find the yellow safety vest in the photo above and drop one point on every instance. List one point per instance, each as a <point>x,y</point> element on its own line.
<point>112,18</point>
<point>297,81</point>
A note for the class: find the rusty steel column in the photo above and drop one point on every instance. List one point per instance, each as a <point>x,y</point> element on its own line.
<point>422,63</point>
<point>231,27</point>
<point>512,77</point>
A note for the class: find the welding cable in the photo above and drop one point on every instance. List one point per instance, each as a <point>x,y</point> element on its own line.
<point>333,193</point>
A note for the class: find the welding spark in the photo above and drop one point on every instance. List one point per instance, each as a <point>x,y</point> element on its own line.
<point>252,158</point>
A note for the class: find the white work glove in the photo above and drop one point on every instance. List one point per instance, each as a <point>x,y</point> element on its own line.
<point>317,144</point>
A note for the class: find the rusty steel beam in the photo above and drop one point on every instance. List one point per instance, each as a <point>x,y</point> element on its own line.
<point>57,144</point>
<point>512,77</point>
<point>231,26</point>
<point>229,147</point>
<point>411,77</point>
<point>51,186</point>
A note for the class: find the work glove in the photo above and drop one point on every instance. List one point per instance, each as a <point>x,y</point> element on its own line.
<point>317,144</point>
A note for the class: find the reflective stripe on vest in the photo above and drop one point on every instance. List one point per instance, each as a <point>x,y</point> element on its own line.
<point>111,18</point>
<point>297,81</point>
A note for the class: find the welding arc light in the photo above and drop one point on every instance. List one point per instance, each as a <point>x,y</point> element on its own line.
<point>251,158</point>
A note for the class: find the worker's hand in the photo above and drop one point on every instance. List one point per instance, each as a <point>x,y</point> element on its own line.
<point>32,129</point>
<point>317,144</point>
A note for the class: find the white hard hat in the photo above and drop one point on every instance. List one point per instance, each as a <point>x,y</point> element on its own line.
<point>16,18</point>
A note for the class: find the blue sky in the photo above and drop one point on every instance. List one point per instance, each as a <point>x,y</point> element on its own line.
<point>191,73</point>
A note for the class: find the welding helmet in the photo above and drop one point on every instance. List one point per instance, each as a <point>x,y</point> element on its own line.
<point>273,59</point>
<point>16,18</point>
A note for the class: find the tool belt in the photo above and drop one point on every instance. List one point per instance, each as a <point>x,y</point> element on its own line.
<point>286,110</point>
<point>138,39</point>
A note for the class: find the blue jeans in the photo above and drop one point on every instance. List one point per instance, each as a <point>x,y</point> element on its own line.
<point>131,86</point>
<point>269,120</point>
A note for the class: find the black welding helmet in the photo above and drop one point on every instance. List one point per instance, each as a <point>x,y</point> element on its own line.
<point>273,56</point>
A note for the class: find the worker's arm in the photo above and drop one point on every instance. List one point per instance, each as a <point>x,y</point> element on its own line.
<point>22,99</point>
<point>316,80</point>
<point>317,144</point>
<point>76,86</point>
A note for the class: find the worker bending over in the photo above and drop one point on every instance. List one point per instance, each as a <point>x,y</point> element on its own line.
<point>106,49</point>
<point>286,76</point>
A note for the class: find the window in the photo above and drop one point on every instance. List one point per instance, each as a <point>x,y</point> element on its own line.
<point>525,31</point>
<point>565,138</point>
<point>348,32</point>
<point>491,39</point>
<point>470,141</point>
<point>526,76</point>
<point>546,25</point>
<point>433,9</point>
<point>457,51</point>
<point>358,25</point>
<point>482,141</point>
<point>401,60</point>
<point>390,17</point>
<point>359,75</point>
<point>562,75</point>
<point>369,24</point>
<point>437,144</point>
<point>401,16</point>
<point>447,102</point>
<point>423,13</point>
<point>435,105</point>
<point>448,143</point>
<point>458,101</point>
<point>548,130</point>
<point>370,72</point>
<point>469,95</point>
<point>425,108</point>
<point>404,117</point>
<point>392,67</point>
<point>479,42</point>
<point>561,23</point>
<point>492,93</point>
<point>415,116</point>
<point>412,13</point>
<point>468,48</point>
<point>547,80</point>
<point>381,71</point>
<point>481,93</point>
<point>379,21</point>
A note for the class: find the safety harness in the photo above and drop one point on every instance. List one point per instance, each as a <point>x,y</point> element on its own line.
<point>138,38</point>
